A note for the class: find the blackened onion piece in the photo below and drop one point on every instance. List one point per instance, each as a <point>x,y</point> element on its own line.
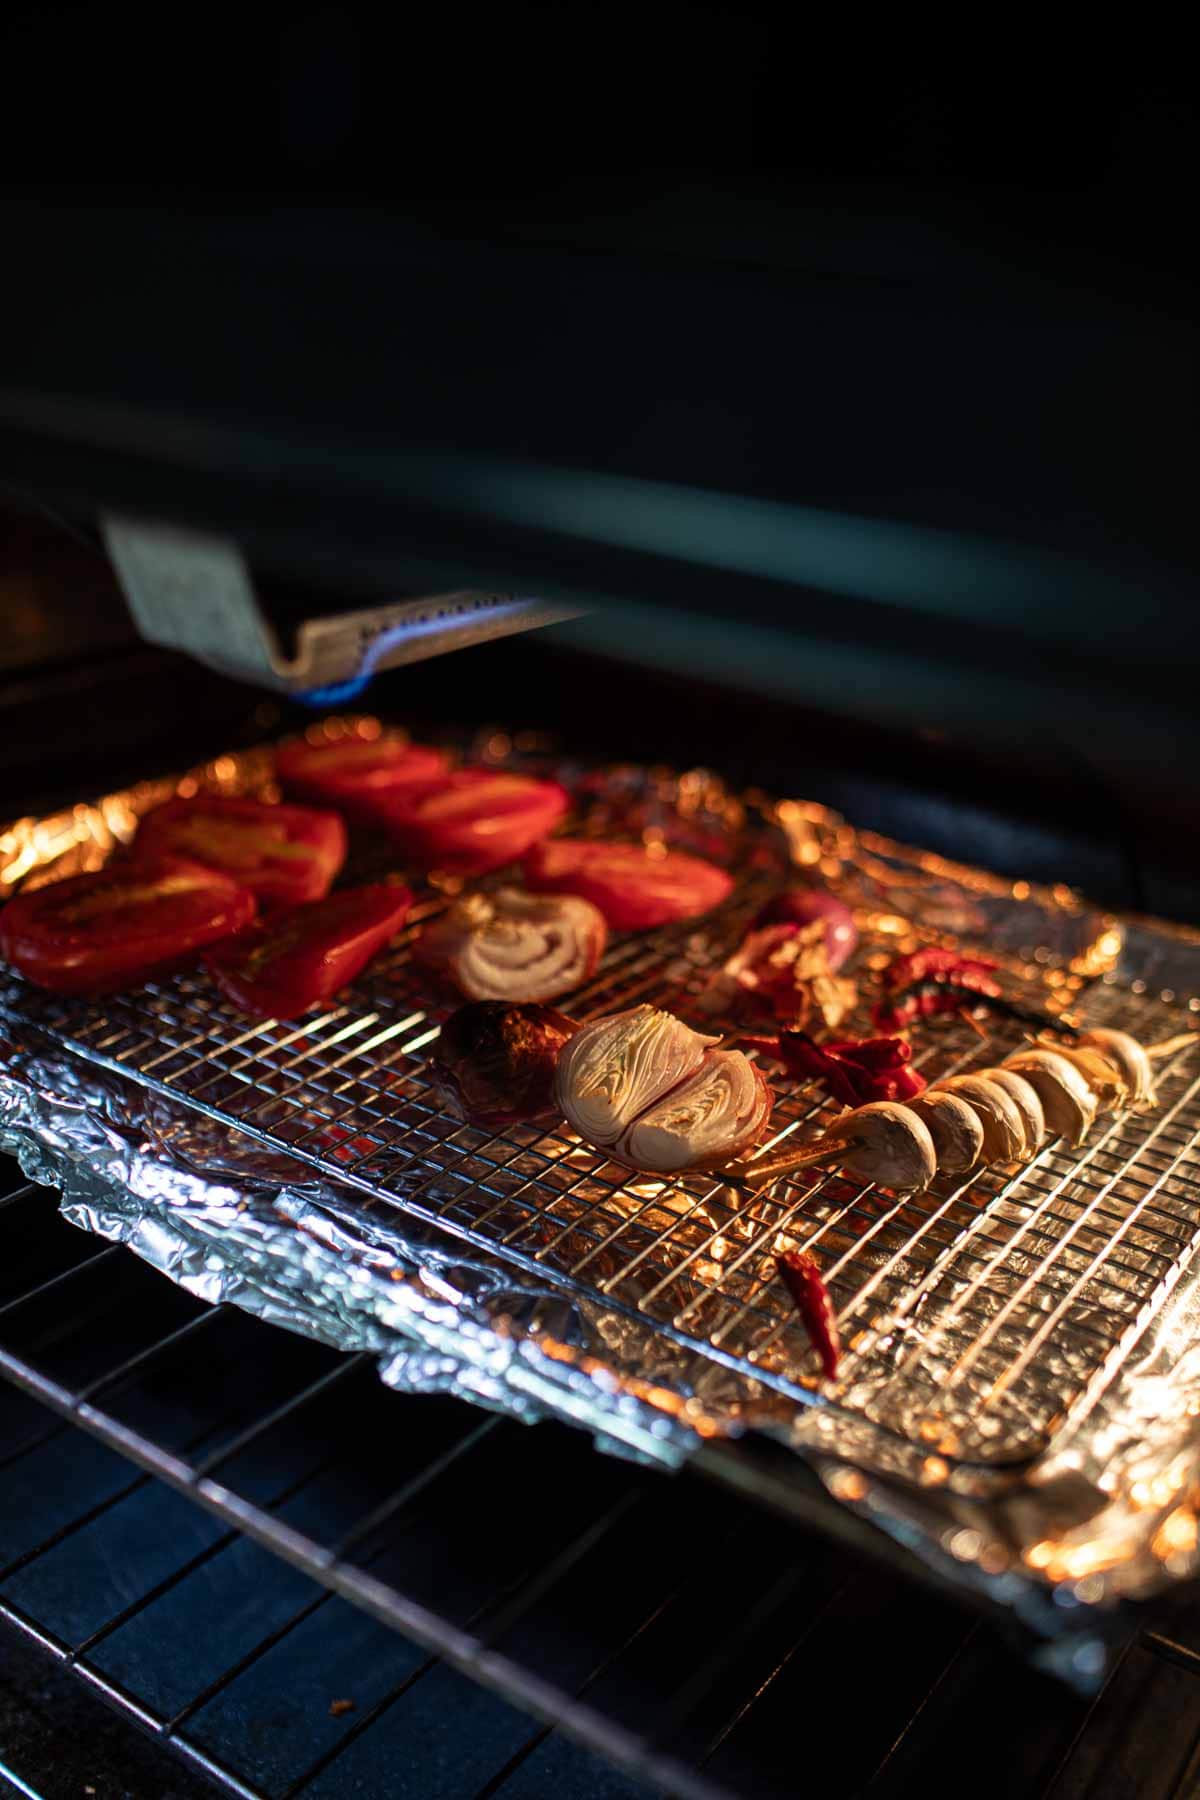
<point>516,946</point>
<point>494,1061</point>
<point>615,1068</point>
<point>717,1114</point>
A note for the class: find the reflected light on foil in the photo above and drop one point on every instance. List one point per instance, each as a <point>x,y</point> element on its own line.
<point>1176,1535</point>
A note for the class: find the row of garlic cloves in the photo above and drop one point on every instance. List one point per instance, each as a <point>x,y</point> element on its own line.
<point>997,1115</point>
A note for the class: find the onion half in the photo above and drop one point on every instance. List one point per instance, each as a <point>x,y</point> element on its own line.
<point>614,1069</point>
<point>516,946</point>
<point>706,1121</point>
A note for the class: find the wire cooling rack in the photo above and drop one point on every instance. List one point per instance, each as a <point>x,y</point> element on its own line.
<point>977,1316</point>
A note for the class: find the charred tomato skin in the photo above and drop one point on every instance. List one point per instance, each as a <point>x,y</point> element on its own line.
<point>635,888</point>
<point>94,934</point>
<point>282,966</point>
<point>283,854</point>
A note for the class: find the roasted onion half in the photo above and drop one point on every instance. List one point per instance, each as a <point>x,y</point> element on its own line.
<point>516,946</point>
<point>494,1062</point>
<point>614,1069</point>
<point>713,1116</point>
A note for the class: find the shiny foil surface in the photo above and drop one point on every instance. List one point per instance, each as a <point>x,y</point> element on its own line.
<point>1049,1458</point>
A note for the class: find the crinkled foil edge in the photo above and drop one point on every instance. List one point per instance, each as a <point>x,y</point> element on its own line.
<point>301,1255</point>
<point>296,1255</point>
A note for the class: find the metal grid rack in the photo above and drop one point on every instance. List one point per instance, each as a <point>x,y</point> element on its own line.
<point>977,1316</point>
<point>292,1446</point>
<point>692,1680</point>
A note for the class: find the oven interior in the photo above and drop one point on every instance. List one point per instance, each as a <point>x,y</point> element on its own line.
<point>219,1531</point>
<point>227,1531</point>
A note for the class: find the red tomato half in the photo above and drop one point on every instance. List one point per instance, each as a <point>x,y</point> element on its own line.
<point>474,819</point>
<point>90,934</point>
<point>283,854</point>
<point>634,886</point>
<point>357,775</point>
<point>287,963</point>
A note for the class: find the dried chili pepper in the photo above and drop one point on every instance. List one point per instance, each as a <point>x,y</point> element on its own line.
<point>929,999</point>
<point>855,1071</point>
<point>931,982</point>
<point>802,1278</point>
<point>940,965</point>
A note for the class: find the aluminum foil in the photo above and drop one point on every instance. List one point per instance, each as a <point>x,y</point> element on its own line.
<point>1108,1513</point>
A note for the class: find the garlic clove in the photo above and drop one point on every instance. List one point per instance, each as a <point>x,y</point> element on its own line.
<point>954,1127</point>
<point>1129,1059</point>
<point>1024,1097</point>
<point>1003,1128</point>
<point>887,1143</point>
<point>1067,1101</point>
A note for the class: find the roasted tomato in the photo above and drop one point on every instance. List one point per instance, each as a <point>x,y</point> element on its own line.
<point>91,934</point>
<point>283,854</point>
<point>293,960</point>
<point>634,885</point>
<point>474,819</point>
<point>357,775</point>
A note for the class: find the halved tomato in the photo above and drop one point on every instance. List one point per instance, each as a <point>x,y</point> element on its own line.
<point>357,775</point>
<point>93,933</point>
<point>474,819</point>
<point>634,885</point>
<point>285,964</point>
<point>283,854</point>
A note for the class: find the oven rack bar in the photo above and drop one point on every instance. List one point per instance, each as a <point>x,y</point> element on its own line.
<point>789,1608</point>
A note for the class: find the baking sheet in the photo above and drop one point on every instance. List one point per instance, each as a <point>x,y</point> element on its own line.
<point>1106,1511</point>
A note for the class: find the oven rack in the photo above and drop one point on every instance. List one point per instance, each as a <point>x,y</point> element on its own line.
<point>692,1681</point>
<point>978,1317</point>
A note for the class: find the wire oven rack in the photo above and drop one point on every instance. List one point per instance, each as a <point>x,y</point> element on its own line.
<point>977,1317</point>
<point>187,1619</point>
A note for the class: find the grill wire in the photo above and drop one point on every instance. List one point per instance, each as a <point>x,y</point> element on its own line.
<point>191,1631</point>
<point>977,1317</point>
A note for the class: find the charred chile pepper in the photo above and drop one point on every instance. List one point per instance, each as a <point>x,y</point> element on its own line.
<point>933,982</point>
<point>802,1278</point>
<point>854,1071</point>
<point>941,965</point>
<point>928,999</point>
